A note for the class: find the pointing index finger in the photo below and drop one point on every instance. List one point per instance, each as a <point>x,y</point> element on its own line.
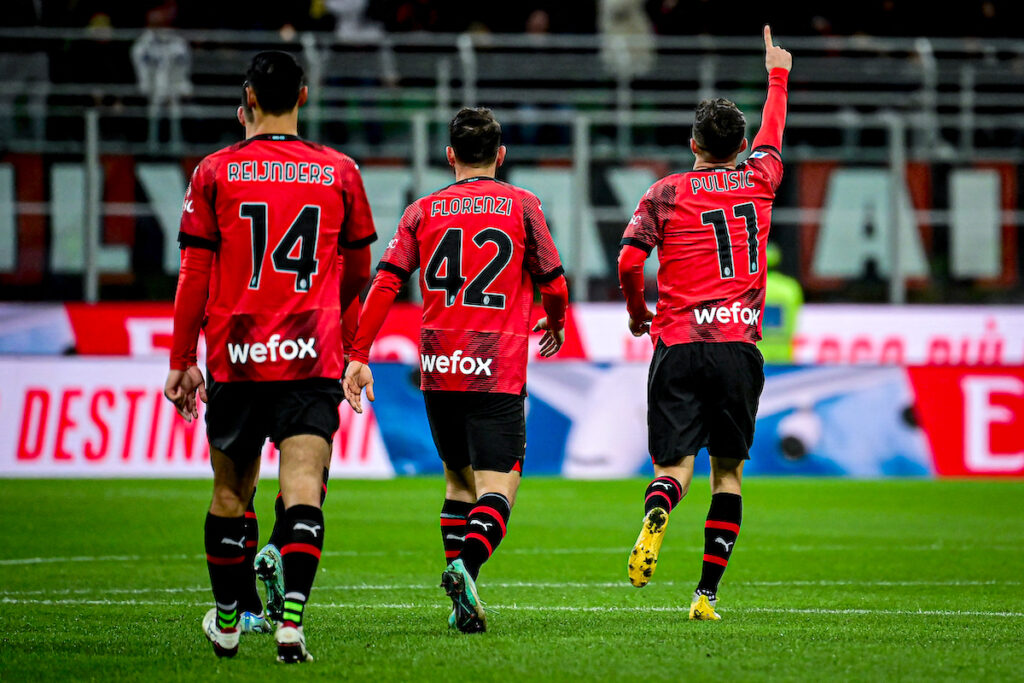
<point>767,36</point>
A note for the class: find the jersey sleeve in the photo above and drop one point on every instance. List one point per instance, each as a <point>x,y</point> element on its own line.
<point>646,228</point>
<point>542,260</point>
<point>198,218</point>
<point>766,153</point>
<point>402,257</point>
<point>358,229</point>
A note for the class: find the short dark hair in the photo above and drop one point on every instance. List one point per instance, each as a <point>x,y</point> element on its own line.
<point>475,136</point>
<point>276,79</point>
<point>718,127</point>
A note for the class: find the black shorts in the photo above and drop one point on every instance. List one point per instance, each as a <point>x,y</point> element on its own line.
<point>703,394</point>
<point>241,415</point>
<point>479,429</point>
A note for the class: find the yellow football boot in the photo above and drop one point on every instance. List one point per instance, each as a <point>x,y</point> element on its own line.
<point>644,557</point>
<point>701,609</point>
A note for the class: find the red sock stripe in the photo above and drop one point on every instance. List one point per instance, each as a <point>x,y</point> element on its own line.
<point>493,513</point>
<point>714,559</point>
<point>482,539</point>
<point>250,515</point>
<point>724,526</point>
<point>673,482</point>
<point>220,561</point>
<point>451,554</point>
<point>301,548</point>
<point>445,521</point>
<point>325,488</point>
<point>250,544</point>
<point>663,495</point>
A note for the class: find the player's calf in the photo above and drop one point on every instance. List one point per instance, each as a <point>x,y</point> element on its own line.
<point>485,529</point>
<point>662,495</point>
<point>454,515</point>
<point>720,532</point>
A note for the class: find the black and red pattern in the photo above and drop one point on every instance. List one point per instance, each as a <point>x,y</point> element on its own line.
<point>663,492</point>
<point>246,220</point>
<point>720,532</point>
<point>486,526</point>
<point>480,245</point>
<point>711,227</point>
<point>453,526</point>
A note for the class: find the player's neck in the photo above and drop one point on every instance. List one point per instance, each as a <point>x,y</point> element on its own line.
<point>467,172</point>
<point>709,164</point>
<point>274,125</point>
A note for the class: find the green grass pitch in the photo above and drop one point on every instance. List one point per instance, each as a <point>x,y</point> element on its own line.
<point>831,579</point>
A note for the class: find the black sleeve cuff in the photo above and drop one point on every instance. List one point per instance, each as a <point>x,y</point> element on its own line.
<point>392,268</point>
<point>549,276</point>
<point>639,244</point>
<point>187,240</point>
<point>769,148</point>
<point>359,244</point>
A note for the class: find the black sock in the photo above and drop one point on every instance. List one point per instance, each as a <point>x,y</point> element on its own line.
<point>485,527</point>
<point>279,534</point>
<point>664,493</point>
<point>249,600</point>
<point>301,555</point>
<point>453,526</point>
<point>225,558</point>
<point>720,532</point>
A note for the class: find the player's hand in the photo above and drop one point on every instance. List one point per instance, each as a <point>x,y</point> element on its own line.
<point>552,340</point>
<point>643,326</point>
<point>775,57</point>
<point>357,377</point>
<point>181,388</point>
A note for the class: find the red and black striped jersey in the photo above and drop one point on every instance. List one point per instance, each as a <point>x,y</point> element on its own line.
<point>480,244</point>
<point>711,229</point>
<point>277,211</point>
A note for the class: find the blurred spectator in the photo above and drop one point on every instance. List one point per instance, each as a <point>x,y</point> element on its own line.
<point>163,62</point>
<point>627,37</point>
<point>351,21</point>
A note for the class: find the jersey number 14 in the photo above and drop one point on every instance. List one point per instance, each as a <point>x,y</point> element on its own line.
<point>302,232</point>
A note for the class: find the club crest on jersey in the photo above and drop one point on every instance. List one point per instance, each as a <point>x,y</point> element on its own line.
<point>456,364</point>
<point>722,181</point>
<point>274,348</point>
<point>727,314</point>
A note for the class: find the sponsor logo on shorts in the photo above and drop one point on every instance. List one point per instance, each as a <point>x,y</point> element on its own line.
<point>727,314</point>
<point>456,364</point>
<point>274,348</point>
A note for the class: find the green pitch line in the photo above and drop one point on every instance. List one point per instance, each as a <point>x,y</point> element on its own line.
<point>830,580</point>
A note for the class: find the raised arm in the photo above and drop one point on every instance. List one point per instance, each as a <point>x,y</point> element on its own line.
<point>778,63</point>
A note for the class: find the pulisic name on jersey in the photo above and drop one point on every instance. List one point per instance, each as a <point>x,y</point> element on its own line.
<point>722,181</point>
<point>501,206</point>
<point>260,352</point>
<point>307,172</point>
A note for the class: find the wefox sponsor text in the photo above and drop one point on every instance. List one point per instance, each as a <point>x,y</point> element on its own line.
<point>456,364</point>
<point>259,352</point>
<point>726,314</point>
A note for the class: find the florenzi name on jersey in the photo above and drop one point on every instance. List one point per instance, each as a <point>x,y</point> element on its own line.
<point>501,206</point>
<point>263,171</point>
<point>724,181</point>
<point>456,364</point>
<point>274,348</point>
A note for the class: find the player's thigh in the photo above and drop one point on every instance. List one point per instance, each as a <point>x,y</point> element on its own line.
<point>676,425</point>
<point>738,378</point>
<point>446,416</point>
<point>496,431</point>
<point>235,423</point>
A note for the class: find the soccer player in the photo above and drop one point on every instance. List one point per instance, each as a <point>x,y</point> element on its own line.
<point>481,245</point>
<point>710,226</point>
<point>265,226</point>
